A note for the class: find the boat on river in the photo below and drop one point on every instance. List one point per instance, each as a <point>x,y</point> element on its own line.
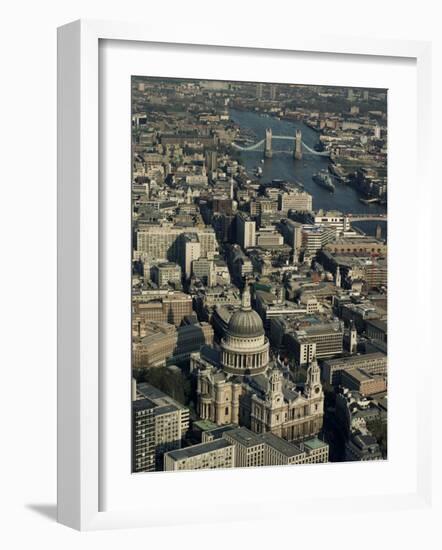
<point>323,179</point>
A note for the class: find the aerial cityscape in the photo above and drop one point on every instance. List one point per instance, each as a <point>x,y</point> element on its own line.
<point>259,274</point>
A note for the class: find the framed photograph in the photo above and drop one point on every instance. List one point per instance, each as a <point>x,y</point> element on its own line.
<point>234,223</point>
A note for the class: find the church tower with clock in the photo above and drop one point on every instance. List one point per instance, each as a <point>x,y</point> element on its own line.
<point>313,389</point>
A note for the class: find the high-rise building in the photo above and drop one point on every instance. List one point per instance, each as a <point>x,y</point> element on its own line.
<point>245,231</point>
<point>143,436</point>
<point>211,161</point>
<point>190,251</point>
<point>292,233</point>
<point>171,420</point>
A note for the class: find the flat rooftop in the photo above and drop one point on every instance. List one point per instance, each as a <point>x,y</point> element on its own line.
<point>314,443</point>
<point>281,445</point>
<point>200,449</point>
<point>356,359</point>
<point>204,425</point>
<point>243,436</point>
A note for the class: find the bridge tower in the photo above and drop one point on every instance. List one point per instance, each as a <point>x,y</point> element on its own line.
<point>297,151</point>
<point>268,144</point>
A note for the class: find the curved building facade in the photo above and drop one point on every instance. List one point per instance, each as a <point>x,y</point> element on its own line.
<point>245,347</point>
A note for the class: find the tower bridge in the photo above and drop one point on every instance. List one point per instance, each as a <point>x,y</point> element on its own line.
<point>367,217</point>
<point>265,145</point>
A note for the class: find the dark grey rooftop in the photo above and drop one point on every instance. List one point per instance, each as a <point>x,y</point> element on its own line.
<point>243,436</point>
<point>143,404</point>
<point>281,445</point>
<point>165,409</point>
<point>217,432</point>
<point>363,358</point>
<point>378,323</point>
<point>200,449</point>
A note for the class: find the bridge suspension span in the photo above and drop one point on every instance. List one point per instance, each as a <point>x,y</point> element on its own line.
<point>260,145</point>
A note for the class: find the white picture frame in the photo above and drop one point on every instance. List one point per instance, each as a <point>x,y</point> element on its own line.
<point>79,267</point>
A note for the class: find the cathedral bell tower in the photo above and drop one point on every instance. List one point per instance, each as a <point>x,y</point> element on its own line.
<point>313,386</point>
<point>275,394</point>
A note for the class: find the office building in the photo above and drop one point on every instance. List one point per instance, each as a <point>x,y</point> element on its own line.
<point>262,205</point>
<point>332,218</point>
<point>166,273</point>
<point>143,436</point>
<point>164,241</point>
<point>267,449</point>
<point>294,200</point>
<point>205,456</point>
<point>170,420</point>
<point>373,363</point>
<point>315,237</point>
<point>205,270</point>
<point>245,231</point>
<point>363,382</point>
<point>249,447</point>
<point>190,251</point>
<point>292,233</point>
<point>267,237</point>
<point>170,307</point>
<point>355,244</point>
<point>211,161</point>
<point>166,344</point>
<point>313,337</point>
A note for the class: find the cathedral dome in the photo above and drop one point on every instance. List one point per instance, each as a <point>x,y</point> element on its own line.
<point>245,348</point>
<point>246,324</point>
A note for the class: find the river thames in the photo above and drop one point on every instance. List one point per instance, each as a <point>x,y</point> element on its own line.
<point>283,166</point>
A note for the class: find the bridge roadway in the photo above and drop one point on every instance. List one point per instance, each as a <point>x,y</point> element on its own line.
<point>260,144</point>
<point>367,217</point>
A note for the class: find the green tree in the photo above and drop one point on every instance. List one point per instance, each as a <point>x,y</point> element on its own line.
<point>173,383</point>
<point>379,431</point>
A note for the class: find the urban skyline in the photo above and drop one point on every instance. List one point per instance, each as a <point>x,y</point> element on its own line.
<point>259,274</point>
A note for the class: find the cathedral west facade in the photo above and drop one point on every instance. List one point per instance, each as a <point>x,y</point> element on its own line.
<point>240,384</point>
